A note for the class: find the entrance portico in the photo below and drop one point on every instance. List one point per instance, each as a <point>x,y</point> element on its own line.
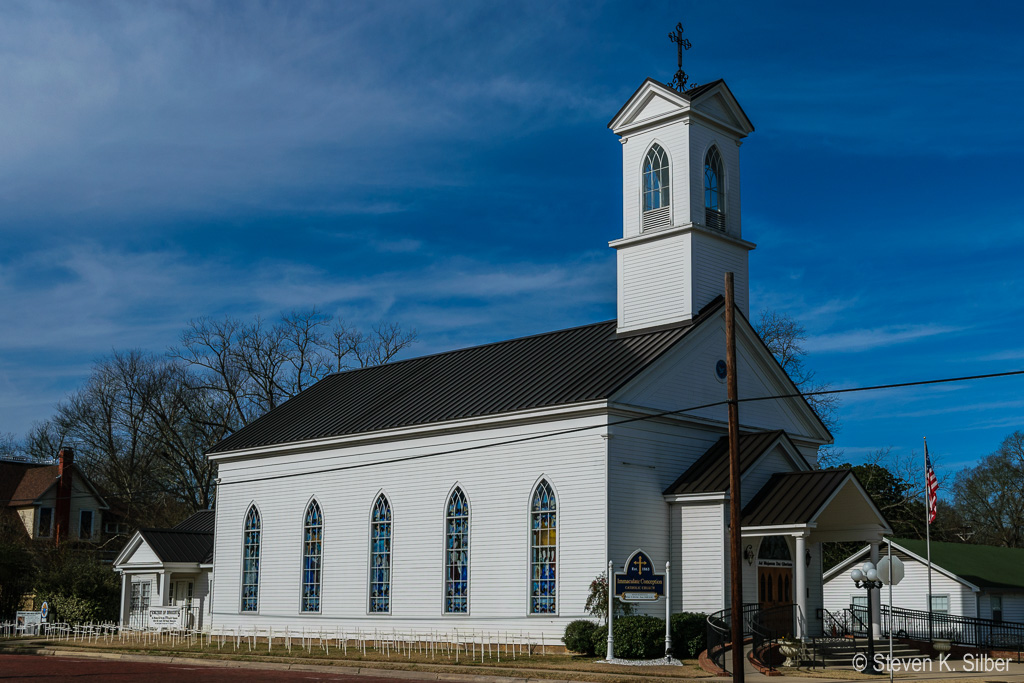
<point>804,509</point>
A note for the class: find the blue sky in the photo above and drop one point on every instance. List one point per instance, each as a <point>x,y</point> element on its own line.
<point>448,166</point>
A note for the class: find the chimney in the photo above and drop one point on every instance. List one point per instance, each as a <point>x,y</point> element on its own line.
<point>66,459</point>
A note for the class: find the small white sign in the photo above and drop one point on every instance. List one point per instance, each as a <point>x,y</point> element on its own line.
<point>28,622</point>
<point>639,596</point>
<point>164,617</point>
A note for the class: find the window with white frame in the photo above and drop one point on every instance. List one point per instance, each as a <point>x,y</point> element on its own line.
<point>996,603</point>
<point>251,561</point>
<point>380,556</point>
<point>656,194</point>
<point>45,523</point>
<point>312,557</point>
<point>714,204</point>
<point>543,549</point>
<point>940,604</point>
<point>656,180</point>
<point>456,536</point>
<point>85,524</point>
<point>140,597</point>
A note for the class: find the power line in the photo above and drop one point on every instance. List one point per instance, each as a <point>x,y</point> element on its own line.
<point>574,430</point>
<point>652,416</point>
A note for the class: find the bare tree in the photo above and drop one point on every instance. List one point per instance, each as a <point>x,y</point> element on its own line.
<point>990,496</point>
<point>784,337</point>
<point>259,365</point>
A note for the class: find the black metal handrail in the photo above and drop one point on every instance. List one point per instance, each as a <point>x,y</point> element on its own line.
<point>761,625</point>
<point>969,631</point>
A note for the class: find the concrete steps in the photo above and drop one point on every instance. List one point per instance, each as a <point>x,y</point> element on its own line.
<point>840,652</point>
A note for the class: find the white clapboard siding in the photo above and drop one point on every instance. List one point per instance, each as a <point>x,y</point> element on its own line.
<point>704,556</point>
<point>712,258</point>
<point>685,376</point>
<point>654,282</point>
<point>498,483</point>
<point>644,458</point>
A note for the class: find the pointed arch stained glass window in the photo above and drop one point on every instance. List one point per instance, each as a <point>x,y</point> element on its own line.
<point>380,555</point>
<point>312,557</point>
<point>456,549</point>
<point>251,561</point>
<point>543,550</point>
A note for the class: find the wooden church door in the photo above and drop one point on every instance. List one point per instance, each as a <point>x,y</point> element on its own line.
<point>775,584</point>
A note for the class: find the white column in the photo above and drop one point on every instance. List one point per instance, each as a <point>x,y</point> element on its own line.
<point>165,587</point>
<point>800,587</point>
<point>876,597</point>
<point>125,597</point>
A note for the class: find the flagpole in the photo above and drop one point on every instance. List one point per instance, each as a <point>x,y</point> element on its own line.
<point>928,537</point>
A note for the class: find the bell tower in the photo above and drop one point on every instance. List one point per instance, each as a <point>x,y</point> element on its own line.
<point>681,228</point>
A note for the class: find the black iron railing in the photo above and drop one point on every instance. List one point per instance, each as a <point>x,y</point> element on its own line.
<point>762,626</point>
<point>969,631</point>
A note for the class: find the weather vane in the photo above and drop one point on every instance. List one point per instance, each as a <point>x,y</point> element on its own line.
<point>679,80</point>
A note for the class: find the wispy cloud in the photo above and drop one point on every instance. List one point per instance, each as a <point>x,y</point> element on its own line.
<point>853,341</point>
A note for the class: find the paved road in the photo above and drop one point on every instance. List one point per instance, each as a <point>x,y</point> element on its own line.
<point>34,668</point>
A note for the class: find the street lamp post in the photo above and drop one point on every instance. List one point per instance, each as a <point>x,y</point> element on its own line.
<point>867,577</point>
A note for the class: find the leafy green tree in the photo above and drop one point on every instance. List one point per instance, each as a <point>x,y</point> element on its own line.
<point>16,576</point>
<point>78,587</point>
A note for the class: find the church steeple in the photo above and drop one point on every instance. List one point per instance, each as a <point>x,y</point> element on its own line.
<point>681,201</point>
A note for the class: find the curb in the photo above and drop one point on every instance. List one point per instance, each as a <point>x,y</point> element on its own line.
<point>320,668</point>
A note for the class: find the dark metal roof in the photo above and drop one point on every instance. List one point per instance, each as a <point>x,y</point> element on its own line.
<point>557,368</point>
<point>171,545</point>
<point>201,521</point>
<point>710,474</point>
<point>793,497</point>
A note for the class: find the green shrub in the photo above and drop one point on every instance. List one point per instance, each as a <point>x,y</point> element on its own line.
<point>579,636</point>
<point>689,634</point>
<point>639,637</point>
<point>636,637</point>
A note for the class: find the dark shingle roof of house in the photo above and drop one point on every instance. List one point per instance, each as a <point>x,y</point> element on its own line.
<point>22,482</point>
<point>792,497</point>
<point>556,368</point>
<point>986,566</point>
<point>710,474</point>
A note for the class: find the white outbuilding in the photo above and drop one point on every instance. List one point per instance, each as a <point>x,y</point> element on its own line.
<point>977,581</point>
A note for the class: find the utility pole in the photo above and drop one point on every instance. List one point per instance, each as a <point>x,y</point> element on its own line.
<point>735,537</point>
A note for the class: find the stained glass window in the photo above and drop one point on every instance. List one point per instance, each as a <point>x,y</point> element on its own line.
<point>251,562</point>
<point>312,557</point>
<point>543,524</point>
<point>380,556</point>
<point>456,577</point>
<point>655,179</point>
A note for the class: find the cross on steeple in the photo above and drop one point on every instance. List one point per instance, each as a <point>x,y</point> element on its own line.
<point>679,80</point>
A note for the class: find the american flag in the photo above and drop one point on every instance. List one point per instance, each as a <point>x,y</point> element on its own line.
<point>931,485</point>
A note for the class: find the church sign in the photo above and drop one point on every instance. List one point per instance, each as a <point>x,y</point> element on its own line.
<point>639,582</point>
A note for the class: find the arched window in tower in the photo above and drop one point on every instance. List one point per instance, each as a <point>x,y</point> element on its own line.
<point>656,189</point>
<point>456,549</point>
<point>543,549</point>
<point>312,557</point>
<point>380,555</point>
<point>714,197</point>
<point>251,561</point>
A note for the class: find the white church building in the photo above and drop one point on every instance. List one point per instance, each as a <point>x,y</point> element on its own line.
<point>485,488</point>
